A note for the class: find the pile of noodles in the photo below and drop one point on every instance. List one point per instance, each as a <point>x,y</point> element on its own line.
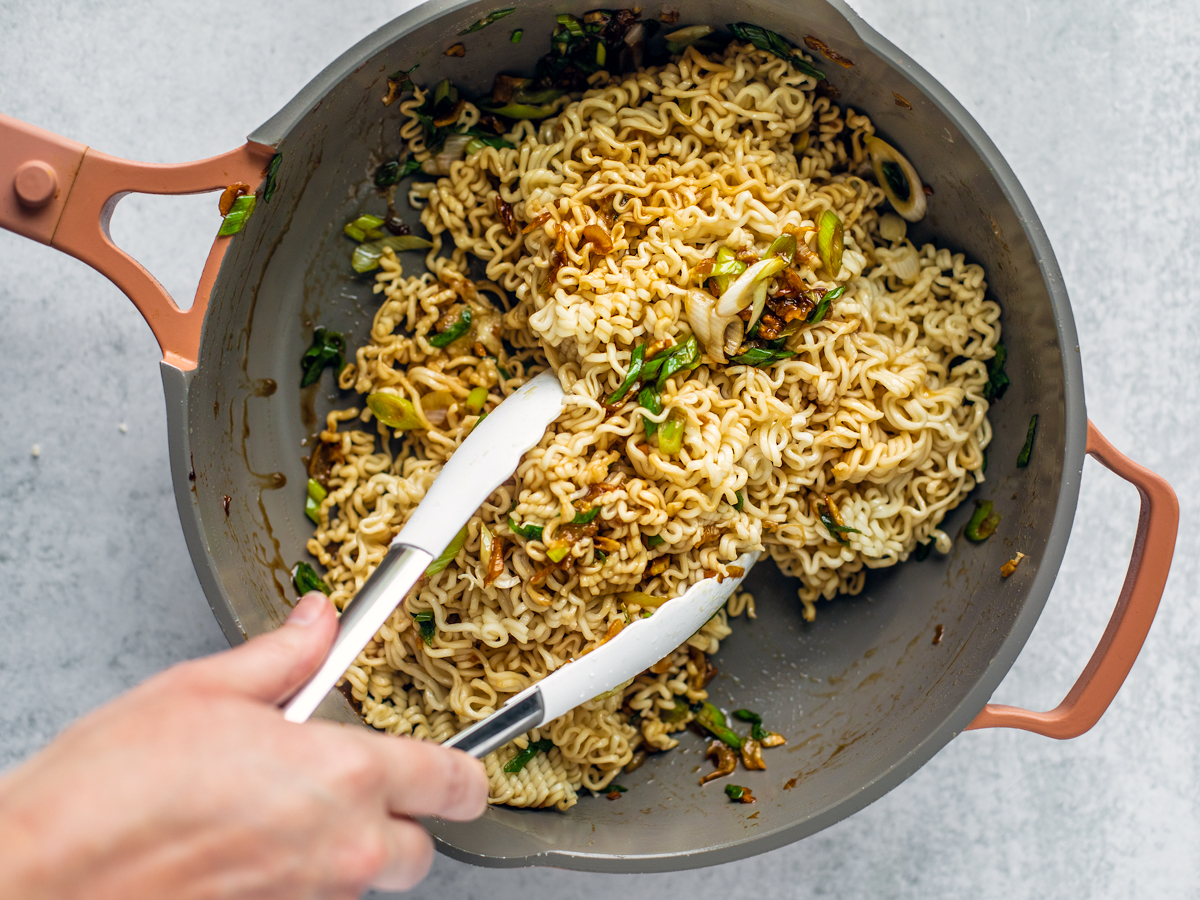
<point>881,409</point>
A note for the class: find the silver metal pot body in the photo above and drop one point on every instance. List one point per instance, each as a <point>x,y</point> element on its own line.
<point>864,695</point>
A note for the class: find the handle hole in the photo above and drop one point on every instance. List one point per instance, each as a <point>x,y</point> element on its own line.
<point>170,236</point>
<point>1081,603</point>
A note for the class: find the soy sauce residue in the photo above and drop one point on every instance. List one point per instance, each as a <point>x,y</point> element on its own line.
<point>265,387</point>
<point>225,501</point>
<point>937,634</point>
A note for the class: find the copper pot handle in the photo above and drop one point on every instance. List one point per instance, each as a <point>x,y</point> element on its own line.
<point>1158,524</point>
<point>62,193</point>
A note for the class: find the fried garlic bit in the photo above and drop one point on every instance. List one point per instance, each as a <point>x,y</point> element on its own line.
<point>726,761</point>
<point>1011,566</point>
<point>752,754</point>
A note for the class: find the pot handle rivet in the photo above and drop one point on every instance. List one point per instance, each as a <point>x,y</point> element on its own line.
<point>35,183</point>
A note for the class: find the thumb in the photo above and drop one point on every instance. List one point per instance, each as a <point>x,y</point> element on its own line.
<point>272,666</point>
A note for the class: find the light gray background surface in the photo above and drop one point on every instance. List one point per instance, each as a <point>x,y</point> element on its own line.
<point>1094,104</point>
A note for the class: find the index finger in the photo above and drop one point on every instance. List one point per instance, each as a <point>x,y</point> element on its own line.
<point>425,779</point>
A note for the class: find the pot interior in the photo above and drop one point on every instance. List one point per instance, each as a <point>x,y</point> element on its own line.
<point>866,693</point>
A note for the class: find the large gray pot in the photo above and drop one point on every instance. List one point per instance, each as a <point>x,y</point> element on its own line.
<point>866,694</point>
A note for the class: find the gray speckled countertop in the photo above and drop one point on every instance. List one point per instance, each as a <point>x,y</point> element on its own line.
<point>1094,105</point>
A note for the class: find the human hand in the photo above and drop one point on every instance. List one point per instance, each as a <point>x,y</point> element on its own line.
<point>192,786</point>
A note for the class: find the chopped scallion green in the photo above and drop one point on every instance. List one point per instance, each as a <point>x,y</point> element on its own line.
<point>426,626</point>
<point>527,531</point>
<point>366,256</point>
<point>1023,457</point>
<point>713,720</point>
<point>517,34</point>
<point>518,762</point>
<point>327,349</point>
<point>447,555</point>
<point>306,579</point>
<point>476,399</point>
<point>670,433</point>
<point>655,540</point>
<point>394,411</point>
<point>983,523</point>
<point>488,20</point>
<point>650,401</point>
<point>632,375</point>
<point>239,213</point>
<point>586,518</point>
<point>272,181</point>
<point>454,332</point>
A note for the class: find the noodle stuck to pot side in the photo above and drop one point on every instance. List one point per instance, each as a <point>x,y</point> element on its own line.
<point>835,440</point>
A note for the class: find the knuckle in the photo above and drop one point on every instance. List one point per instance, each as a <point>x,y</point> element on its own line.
<point>359,768</point>
<point>412,857</point>
<point>366,857</point>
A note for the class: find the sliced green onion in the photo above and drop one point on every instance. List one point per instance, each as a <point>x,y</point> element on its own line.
<point>521,111</point>
<point>518,762</point>
<point>670,434</point>
<point>649,400</point>
<point>618,788</point>
<point>997,379</point>
<point>485,544</point>
<point>749,286</point>
<point>835,530</point>
<point>713,720</point>
<point>642,599</point>
<point>527,531</point>
<point>426,626</point>
<point>365,227</point>
<point>488,20</point>
<point>449,553</point>
<point>387,174</point>
<point>1023,457</point>
<point>517,34</point>
<point>983,523</point>
<point>239,213</point>
<point>586,518</point>
<point>921,552</point>
<point>777,44</point>
<point>689,35</point>
<point>600,556</point>
<point>632,375</point>
<point>681,356</point>
<point>757,732</point>
<point>366,256</point>
<point>572,24</point>
<point>739,502</point>
<point>761,356</point>
<point>306,579</point>
<point>737,793</point>
<point>476,399</point>
<point>655,540</point>
<point>312,505</point>
<point>784,247</point>
<point>326,350</point>
<point>395,411</point>
<point>410,167</point>
<point>558,552</point>
<point>726,269</point>
<point>444,92</point>
<point>822,308</point>
<point>454,332</point>
<point>830,241</point>
<point>271,183</point>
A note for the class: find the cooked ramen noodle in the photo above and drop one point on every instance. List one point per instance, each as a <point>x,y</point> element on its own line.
<point>835,443</point>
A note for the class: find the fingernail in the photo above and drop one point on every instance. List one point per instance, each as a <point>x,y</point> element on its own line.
<point>309,609</point>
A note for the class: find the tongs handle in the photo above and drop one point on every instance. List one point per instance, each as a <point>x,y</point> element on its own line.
<point>365,614</point>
